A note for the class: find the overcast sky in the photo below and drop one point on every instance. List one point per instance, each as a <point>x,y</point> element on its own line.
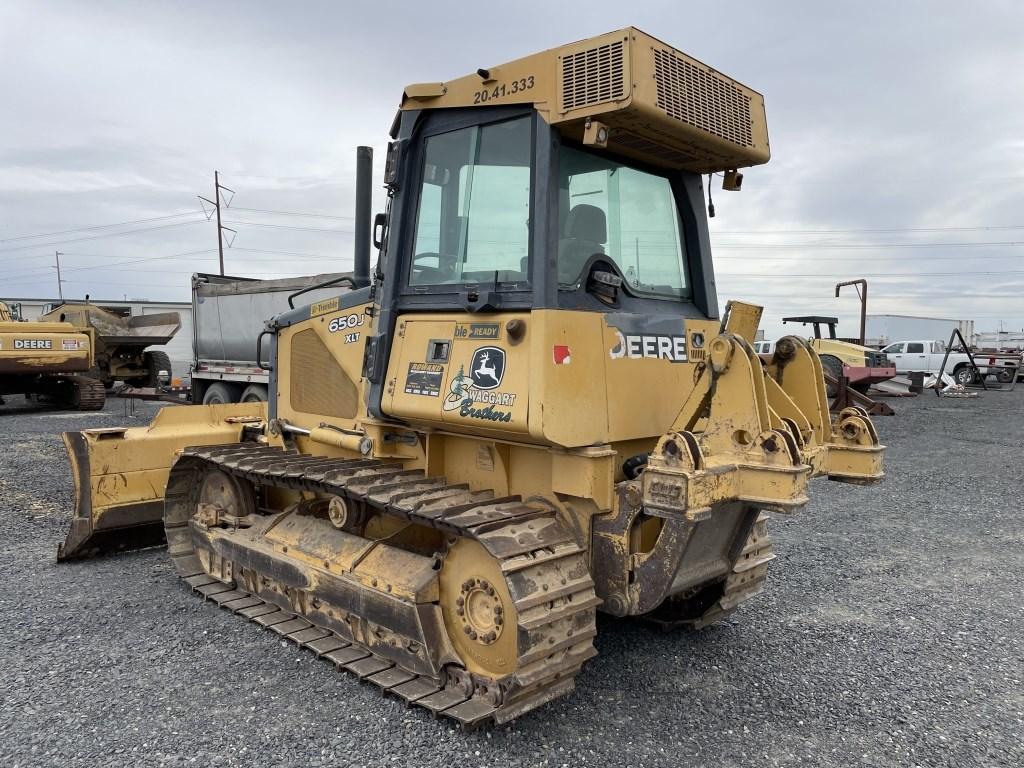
<point>900,116</point>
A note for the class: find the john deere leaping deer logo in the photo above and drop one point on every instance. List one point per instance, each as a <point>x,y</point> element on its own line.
<point>472,393</point>
<point>488,367</point>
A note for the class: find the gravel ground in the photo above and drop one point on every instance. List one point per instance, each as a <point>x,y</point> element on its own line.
<point>890,634</point>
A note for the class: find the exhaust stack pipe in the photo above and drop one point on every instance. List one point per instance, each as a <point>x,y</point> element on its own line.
<point>364,202</point>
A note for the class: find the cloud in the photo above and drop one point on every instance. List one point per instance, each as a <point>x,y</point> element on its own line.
<point>882,116</point>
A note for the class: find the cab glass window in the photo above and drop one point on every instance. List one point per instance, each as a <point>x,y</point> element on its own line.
<point>915,347</point>
<point>473,221</point>
<point>625,214</point>
<point>894,349</point>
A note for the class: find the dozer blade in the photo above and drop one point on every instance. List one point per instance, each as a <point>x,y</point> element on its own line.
<point>120,474</point>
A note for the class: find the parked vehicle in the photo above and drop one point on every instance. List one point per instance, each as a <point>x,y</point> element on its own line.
<point>926,356</point>
<point>228,315</point>
<point>764,347</point>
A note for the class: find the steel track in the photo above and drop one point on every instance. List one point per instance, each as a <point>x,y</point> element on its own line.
<point>545,569</point>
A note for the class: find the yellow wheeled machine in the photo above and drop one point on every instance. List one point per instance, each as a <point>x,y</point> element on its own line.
<point>531,411</point>
<point>121,342</point>
<point>48,360</point>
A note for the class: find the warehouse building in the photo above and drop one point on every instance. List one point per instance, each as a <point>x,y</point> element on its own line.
<point>179,349</point>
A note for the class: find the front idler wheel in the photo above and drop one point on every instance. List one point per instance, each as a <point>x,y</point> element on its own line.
<point>478,610</point>
<point>223,500</point>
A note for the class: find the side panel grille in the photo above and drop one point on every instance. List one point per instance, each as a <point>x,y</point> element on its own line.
<point>318,383</point>
<point>695,96</point>
<point>593,76</point>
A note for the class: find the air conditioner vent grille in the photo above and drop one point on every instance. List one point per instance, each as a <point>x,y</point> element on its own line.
<point>701,98</point>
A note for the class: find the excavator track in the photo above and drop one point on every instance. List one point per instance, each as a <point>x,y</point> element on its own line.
<point>544,569</point>
<point>89,394</point>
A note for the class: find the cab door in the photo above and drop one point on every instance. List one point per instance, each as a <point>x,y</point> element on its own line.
<point>916,357</point>
<point>895,354</point>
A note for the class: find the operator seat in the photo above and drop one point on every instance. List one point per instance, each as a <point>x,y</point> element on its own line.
<point>586,232</point>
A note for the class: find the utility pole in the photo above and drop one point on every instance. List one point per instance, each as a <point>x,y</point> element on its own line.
<point>60,286</point>
<point>217,187</point>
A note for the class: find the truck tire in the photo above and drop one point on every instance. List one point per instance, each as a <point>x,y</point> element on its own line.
<point>220,392</point>
<point>254,393</point>
<point>156,362</point>
<point>833,367</point>
<point>963,375</point>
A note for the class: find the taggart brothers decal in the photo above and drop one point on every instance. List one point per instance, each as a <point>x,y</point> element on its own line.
<point>473,394</point>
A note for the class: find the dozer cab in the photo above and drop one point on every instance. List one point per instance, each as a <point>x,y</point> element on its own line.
<point>48,360</point>
<point>530,412</point>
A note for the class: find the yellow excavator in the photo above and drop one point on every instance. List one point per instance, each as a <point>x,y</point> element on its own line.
<point>49,360</point>
<point>530,411</point>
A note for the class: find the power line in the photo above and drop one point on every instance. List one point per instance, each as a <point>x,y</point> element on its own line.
<point>292,253</point>
<point>99,237</point>
<point>787,276</point>
<point>858,231</point>
<point>26,276</point>
<point>99,226</point>
<point>858,258</point>
<point>287,226</point>
<point>294,213</point>
<point>868,246</point>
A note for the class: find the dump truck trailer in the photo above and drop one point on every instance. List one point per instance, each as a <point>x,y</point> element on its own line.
<point>228,316</point>
<point>532,409</point>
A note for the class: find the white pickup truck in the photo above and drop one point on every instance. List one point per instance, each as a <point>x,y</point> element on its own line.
<point>926,356</point>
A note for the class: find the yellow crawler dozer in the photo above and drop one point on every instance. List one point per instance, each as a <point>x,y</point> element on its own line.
<point>529,412</point>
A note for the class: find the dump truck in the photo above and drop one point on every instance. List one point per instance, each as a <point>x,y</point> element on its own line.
<point>228,315</point>
<point>121,343</point>
<point>48,360</point>
<point>532,410</point>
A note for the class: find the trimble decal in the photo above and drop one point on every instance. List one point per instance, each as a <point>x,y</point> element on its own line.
<point>653,347</point>
<point>474,395</point>
<point>323,307</point>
